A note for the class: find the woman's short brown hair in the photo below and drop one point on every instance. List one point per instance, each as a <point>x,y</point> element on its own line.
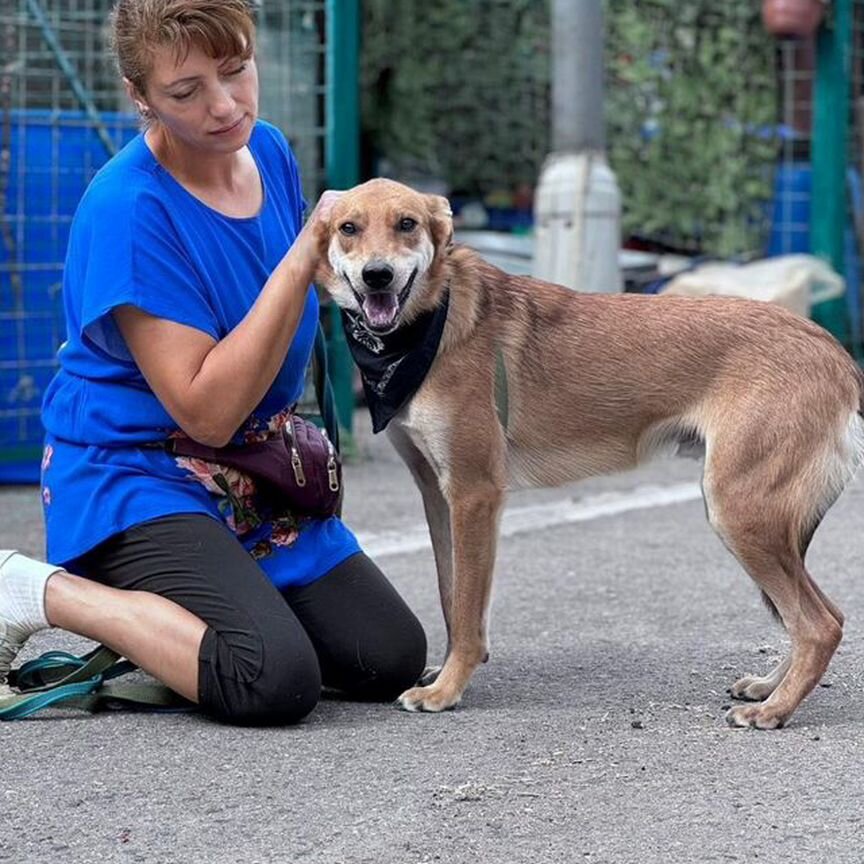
<point>219,28</point>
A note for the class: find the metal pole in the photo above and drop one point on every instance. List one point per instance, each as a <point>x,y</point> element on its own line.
<point>577,81</point>
<point>342,166</point>
<point>343,92</point>
<point>577,205</point>
<point>830,125</point>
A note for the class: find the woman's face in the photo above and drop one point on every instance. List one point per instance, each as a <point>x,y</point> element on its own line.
<point>204,104</point>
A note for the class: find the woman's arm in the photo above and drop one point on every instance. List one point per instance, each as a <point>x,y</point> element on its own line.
<point>210,387</point>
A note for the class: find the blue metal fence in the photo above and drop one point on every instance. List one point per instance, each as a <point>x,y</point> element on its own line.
<point>53,156</point>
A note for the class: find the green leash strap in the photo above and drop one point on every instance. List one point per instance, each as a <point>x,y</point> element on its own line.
<point>144,696</point>
<point>80,682</point>
<point>18,706</point>
<point>323,388</point>
<point>56,668</point>
<point>502,391</point>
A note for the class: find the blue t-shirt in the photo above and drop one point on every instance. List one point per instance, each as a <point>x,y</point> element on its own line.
<point>140,238</point>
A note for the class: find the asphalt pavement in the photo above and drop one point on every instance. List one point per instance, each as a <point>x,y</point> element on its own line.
<point>594,734</point>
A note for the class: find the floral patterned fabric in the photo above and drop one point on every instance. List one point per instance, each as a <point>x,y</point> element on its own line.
<point>243,510</point>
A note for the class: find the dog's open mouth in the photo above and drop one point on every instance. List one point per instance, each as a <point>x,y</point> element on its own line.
<point>381,308</point>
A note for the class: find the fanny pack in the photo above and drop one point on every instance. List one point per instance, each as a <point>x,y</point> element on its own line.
<point>297,467</point>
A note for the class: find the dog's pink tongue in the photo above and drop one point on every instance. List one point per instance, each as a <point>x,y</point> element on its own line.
<point>380,308</point>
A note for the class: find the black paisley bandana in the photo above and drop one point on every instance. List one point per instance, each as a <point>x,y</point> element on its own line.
<point>394,365</point>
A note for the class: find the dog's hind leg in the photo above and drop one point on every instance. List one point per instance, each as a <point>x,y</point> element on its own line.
<point>765,514</point>
<point>755,688</point>
<point>813,630</point>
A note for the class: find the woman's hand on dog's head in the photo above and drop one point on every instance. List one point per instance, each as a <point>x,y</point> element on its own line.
<point>309,247</point>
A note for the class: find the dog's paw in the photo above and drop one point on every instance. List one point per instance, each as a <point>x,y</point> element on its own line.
<point>752,688</point>
<point>432,699</point>
<point>429,676</point>
<point>756,688</point>
<point>755,716</point>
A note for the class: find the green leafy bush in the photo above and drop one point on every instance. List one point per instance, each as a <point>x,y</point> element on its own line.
<point>691,103</point>
<point>458,90</point>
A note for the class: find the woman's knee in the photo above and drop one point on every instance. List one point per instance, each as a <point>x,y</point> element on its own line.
<point>259,679</point>
<point>369,643</point>
<point>393,661</point>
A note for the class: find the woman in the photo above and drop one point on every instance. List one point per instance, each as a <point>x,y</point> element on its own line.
<point>189,311</point>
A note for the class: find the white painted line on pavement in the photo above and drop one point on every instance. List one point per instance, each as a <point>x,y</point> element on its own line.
<point>415,538</point>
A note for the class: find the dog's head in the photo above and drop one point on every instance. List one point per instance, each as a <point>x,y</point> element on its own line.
<point>383,249</point>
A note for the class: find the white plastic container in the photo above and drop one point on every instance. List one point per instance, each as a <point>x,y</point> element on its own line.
<point>577,219</point>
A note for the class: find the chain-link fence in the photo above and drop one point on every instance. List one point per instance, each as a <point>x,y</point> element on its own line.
<point>62,114</point>
<point>292,69</point>
<point>792,215</point>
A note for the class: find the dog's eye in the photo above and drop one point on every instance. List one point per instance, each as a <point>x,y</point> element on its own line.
<point>348,228</point>
<point>407,224</point>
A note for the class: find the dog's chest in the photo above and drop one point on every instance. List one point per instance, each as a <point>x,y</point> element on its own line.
<point>423,423</point>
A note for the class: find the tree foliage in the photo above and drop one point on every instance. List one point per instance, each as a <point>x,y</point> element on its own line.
<point>458,90</point>
<point>691,108</point>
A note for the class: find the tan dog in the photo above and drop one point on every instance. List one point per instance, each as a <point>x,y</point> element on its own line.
<point>595,384</point>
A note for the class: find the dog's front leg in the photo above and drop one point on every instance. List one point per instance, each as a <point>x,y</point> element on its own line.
<point>475,507</point>
<point>438,520</point>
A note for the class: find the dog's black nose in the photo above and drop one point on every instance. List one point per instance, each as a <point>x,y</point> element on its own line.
<point>377,276</point>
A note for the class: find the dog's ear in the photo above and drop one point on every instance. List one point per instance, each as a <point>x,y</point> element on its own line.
<point>323,270</point>
<point>441,223</point>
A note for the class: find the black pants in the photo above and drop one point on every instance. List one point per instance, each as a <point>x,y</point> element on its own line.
<point>266,653</point>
